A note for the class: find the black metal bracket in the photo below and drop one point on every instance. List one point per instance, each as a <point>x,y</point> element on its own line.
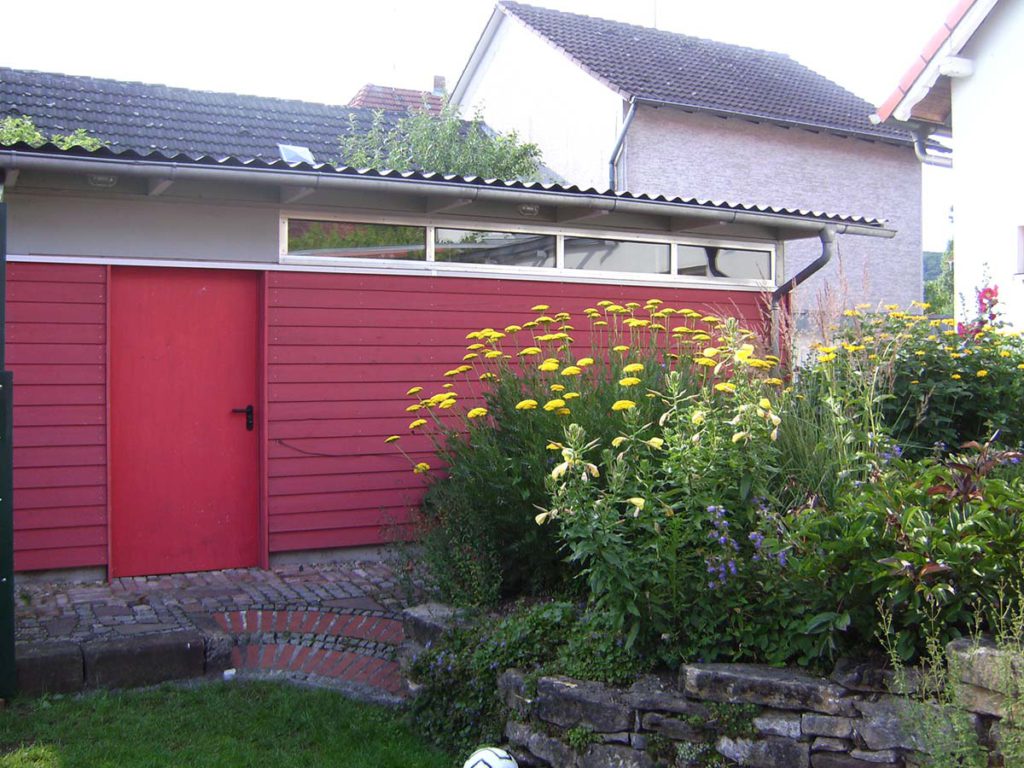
<point>249,420</point>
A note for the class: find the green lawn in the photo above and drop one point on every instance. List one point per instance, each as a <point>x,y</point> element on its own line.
<point>240,724</point>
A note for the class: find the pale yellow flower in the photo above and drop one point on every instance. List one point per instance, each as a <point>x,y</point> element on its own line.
<point>637,502</point>
<point>740,436</point>
<point>617,441</point>
<point>982,373</point>
<point>656,442</point>
<point>697,418</point>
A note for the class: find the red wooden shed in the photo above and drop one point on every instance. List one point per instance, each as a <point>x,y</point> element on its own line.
<point>209,354</point>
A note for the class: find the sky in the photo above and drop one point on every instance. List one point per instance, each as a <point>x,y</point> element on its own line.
<point>324,51</point>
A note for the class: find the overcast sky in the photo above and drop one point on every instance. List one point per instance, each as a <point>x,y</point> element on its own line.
<point>324,51</point>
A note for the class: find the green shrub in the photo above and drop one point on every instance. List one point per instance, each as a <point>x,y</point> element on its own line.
<point>523,385</point>
<point>458,708</point>
<point>946,383</point>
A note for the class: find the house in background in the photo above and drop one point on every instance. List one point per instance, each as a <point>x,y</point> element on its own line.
<point>391,99</point>
<point>619,106</point>
<point>210,345</point>
<point>966,84</point>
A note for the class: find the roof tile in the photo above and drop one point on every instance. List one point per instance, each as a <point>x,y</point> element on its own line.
<point>668,67</point>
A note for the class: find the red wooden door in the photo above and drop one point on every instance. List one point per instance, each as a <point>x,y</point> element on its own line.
<point>184,468</point>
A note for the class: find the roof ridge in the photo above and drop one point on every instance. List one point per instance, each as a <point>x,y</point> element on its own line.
<point>513,4</point>
<point>177,88</point>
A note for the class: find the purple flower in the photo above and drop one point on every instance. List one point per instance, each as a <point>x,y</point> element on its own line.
<point>782,558</point>
<point>732,567</point>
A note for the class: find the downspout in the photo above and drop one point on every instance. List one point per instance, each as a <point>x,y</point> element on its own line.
<point>613,164</point>
<point>921,150</point>
<point>828,248</point>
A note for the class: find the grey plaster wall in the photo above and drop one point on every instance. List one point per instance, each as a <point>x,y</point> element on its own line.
<point>673,152</point>
<point>42,224</point>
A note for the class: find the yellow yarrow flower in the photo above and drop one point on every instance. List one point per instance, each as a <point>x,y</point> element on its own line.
<point>956,377</point>
<point>513,328</point>
<point>583,362</point>
<point>392,439</point>
<point>493,354</point>
<point>548,366</point>
<point>623,405</point>
<point>412,408</point>
<point>572,370</point>
<point>476,413</point>
<point>540,308</point>
<point>620,348</point>
<point>707,362</point>
<point>629,381</point>
<point>774,382</point>
<point>470,356</point>
<point>488,376</point>
<point>557,387</point>
<point>725,386</point>
<point>563,411</point>
<point>421,469</point>
<point>982,373</point>
<point>529,351</point>
<point>526,405</point>
<point>633,368</point>
<point>414,391</point>
<point>417,424</point>
<point>765,403</point>
<point>570,395</point>
<point>476,346</point>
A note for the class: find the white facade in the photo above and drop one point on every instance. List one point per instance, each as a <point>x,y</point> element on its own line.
<point>524,84</point>
<point>988,166</point>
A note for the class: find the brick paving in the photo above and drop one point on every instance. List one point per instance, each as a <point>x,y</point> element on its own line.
<point>333,624</point>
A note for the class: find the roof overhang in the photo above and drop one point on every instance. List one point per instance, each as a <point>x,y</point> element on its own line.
<point>923,97</point>
<point>297,181</point>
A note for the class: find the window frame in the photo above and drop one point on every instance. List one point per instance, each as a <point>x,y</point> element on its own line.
<point>558,273</point>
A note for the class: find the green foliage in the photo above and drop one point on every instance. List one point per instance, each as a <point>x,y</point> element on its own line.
<point>579,738</point>
<point>594,651</point>
<point>943,384</point>
<point>262,725</point>
<point>458,708</point>
<point>442,143</point>
<point>320,236</point>
<point>15,130</point>
<point>478,531</point>
<point>934,539</point>
<point>938,292</point>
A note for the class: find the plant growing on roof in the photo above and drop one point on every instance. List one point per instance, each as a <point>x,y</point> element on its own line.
<point>21,130</point>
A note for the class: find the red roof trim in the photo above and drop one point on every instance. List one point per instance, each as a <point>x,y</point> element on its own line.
<point>924,58</point>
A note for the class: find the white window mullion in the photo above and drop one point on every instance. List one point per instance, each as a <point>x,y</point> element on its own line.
<point>429,250</point>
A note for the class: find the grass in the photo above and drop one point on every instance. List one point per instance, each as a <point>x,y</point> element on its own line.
<point>240,724</point>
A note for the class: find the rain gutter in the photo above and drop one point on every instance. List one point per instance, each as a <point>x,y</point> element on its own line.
<point>318,180</point>
<point>613,164</point>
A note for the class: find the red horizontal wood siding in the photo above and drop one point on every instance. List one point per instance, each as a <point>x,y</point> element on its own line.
<point>56,347</point>
<point>341,352</point>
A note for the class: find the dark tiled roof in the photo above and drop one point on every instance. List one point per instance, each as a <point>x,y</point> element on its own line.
<point>273,164</point>
<point>372,96</point>
<point>144,118</point>
<point>701,74</point>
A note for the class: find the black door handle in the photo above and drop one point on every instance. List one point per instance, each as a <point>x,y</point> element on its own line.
<point>248,416</point>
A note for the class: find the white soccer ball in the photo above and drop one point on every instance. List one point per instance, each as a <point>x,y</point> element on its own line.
<point>491,757</point>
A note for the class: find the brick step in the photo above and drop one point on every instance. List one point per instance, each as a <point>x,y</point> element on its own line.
<point>332,665</point>
<point>373,627</point>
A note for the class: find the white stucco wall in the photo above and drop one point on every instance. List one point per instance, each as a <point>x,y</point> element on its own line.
<point>145,228</point>
<point>988,165</point>
<point>672,152</point>
<point>525,84</point>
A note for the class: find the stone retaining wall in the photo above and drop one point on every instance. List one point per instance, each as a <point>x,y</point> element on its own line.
<point>747,715</point>
<point>710,715</point>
